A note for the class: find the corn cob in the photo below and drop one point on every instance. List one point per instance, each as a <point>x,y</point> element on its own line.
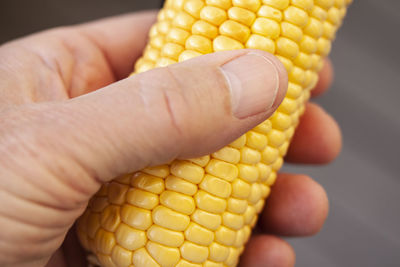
<point>200,212</point>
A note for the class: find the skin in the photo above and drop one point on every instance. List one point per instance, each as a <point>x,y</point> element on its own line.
<point>50,91</point>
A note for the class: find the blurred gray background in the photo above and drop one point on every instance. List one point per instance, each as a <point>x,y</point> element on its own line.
<point>363,184</point>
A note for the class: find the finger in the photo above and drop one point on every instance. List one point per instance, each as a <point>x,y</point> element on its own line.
<point>298,206</point>
<point>122,39</point>
<point>317,140</point>
<point>182,111</point>
<point>267,250</point>
<point>325,79</point>
<point>71,61</point>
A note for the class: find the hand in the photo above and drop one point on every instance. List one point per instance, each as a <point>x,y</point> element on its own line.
<point>61,136</point>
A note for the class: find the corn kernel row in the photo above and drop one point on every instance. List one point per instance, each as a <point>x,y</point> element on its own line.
<point>200,212</point>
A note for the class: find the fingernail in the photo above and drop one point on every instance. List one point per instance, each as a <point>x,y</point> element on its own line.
<point>254,84</point>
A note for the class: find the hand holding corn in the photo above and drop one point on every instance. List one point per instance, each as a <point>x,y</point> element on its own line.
<point>49,177</point>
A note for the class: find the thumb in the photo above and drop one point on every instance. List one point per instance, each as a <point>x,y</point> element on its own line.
<point>180,111</point>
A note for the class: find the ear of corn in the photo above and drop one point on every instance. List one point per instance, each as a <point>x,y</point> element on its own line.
<point>200,212</point>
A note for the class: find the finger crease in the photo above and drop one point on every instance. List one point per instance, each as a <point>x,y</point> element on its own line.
<point>103,52</point>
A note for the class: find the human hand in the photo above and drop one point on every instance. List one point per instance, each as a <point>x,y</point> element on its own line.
<point>60,137</point>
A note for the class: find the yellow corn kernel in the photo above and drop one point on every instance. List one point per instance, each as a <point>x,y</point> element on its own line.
<point>307,5</point>
<point>288,106</point>
<point>109,218</point>
<point>277,164</point>
<point>210,203</point>
<point>249,156</point>
<point>224,4</point>
<point>216,186</point>
<point>205,29</point>
<point>199,44</point>
<point>183,21</point>
<point>213,15</point>
<point>185,263</point>
<point>222,169</point>
<point>257,41</point>
<point>233,221</point>
<point>256,141</point>
<point>188,54</point>
<point>142,199</point>
<point>263,171</point>
<point>201,161</point>
<point>188,171</point>
<point>105,241</point>
<point>165,236</point>
<point>296,15</point>
<point>178,202</point>
<point>130,238</point>
<point>136,217</point>
<point>241,15</point>
<point>225,236</point>
<point>170,219</point>
<point>235,30</point>
<point>222,43</point>
<point>252,5</point>
<point>165,256</point>
<point>218,252</point>
<point>148,182</point>
<point>179,185</point>
<point>116,193</point>
<point>236,205</point>
<point>193,7</point>
<point>199,212</point>
<point>279,4</point>
<point>269,155</point>
<point>265,190</point>
<point>281,121</point>
<point>271,179</point>
<point>287,48</point>
<point>97,204</point>
<point>227,154</point>
<point>240,189</point>
<point>198,234</point>
<point>287,63</point>
<point>255,193</point>
<point>319,13</point>
<point>175,35</point>
<point>209,220</point>
<point>248,173</point>
<point>233,257</point>
<point>121,256</point>
<point>314,28</point>
<point>172,51</point>
<point>193,252</point>
<point>142,258</point>
<point>249,214</point>
<point>270,12</point>
<point>266,27</point>
<point>291,31</point>
<point>276,138</point>
<point>326,4</point>
<point>93,224</point>
<point>105,260</point>
<point>239,143</point>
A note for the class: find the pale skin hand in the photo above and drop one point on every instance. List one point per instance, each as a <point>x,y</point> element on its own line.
<point>56,147</point>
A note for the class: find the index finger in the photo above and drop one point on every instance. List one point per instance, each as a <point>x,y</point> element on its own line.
<point>121,39</point>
